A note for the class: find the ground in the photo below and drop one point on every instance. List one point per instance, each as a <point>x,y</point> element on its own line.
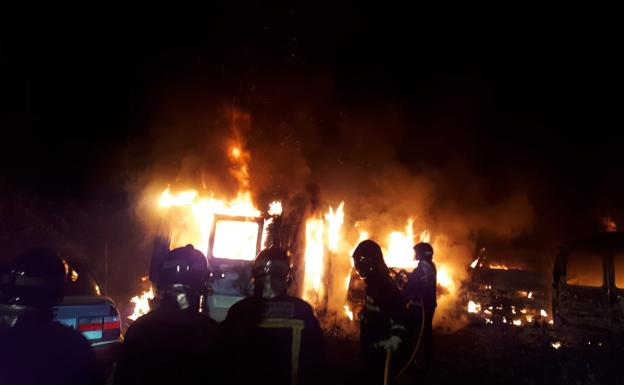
<point>485,354</point>
<point>500,355</point>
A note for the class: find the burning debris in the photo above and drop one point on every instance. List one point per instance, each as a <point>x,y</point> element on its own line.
<point>497,292</point>
<point>231,228</point>
<point>141,304</point>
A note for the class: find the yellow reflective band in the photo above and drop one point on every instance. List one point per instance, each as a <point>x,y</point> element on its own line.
<point>297,327</point>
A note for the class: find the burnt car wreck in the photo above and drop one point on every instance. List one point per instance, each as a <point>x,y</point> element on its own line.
<point>588,285</point>
<point>496,293</point>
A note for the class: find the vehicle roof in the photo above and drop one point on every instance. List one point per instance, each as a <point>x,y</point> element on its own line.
<point>603,241</point>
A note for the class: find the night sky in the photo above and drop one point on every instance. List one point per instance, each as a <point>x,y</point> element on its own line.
<point>521,100</point>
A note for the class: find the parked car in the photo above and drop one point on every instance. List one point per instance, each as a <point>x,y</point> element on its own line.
<point>85,309</point>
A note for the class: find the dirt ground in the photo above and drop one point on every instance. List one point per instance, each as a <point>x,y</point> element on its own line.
<point>500,355</point>
<point>485,354</point>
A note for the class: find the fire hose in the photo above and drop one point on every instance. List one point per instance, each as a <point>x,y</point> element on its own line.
<point>387,367</point>
<point>416,346</point>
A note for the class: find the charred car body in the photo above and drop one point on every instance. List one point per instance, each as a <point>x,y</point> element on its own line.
<point>497,293</point>
<point>588,284</point>
<point>229,260</point>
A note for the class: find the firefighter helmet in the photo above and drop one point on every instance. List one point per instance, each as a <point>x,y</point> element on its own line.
<point>368,259</point>
<point>423,251</point>
<point>271,272</point>
<point>36,279</point>
<point>184,266</point>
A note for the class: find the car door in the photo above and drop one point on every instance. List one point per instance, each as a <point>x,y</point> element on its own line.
<point>583,295</point>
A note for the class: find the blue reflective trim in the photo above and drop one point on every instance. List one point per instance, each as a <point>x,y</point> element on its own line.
<point>71,322</point>
<point>93,334</point>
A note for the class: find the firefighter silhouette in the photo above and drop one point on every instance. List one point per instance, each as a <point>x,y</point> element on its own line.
<point>33,348</point>
<point>421,294</point>
<point>273,338</point>
<point>383,317</point>
<point>172,344</point>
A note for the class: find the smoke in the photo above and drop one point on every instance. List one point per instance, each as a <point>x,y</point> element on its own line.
<point>314,158</point>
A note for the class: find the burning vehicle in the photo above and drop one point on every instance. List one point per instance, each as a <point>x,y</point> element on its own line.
<point>230,236</point>
<point>588,282</point>
<point>231,231</point>
<point>498,293</point>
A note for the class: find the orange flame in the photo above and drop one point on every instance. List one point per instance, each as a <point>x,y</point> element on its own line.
<point>348,312</point>
<point>195,216</point>
<point>399,252</point>
<point>275,208</point>
<point>334,219</point>
<point>314,255</point>
<point>609,224</point>
<point>141,304</point>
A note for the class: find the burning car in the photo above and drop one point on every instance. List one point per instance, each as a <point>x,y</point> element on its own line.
<point>588,282</point>
<point>230,236</point>
<point>499,293</point>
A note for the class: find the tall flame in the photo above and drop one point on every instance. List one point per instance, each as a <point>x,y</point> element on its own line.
<point>314,255</point>
<point>334,219</point>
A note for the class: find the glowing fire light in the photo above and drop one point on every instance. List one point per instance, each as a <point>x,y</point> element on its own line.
<point>444,278</point>
<point>473,307</point>
<point>498,266</point>
<point>556,345</point>
<point>348,312</point>
<point>610,225</point>
<point>517,322</point>
<point>314,252</point>
<point>334,219</point>
<point>141,304</point>
<point>235,240</point>
<point>530,295</point>
<point>399,252</point>
<point>319,234</point>
<point>543,313</point>
<point>275,208</point>
<point>474,263</point>
<point>194,227</point>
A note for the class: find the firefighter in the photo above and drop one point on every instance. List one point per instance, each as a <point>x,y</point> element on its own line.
<point>173,343</point>
<point>383,317</point>
<point>421,294</point>
<point>34,349</point>
<point>274,338</point>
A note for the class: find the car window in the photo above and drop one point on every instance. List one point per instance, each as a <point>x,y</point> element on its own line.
<point>584,269</point>
<point>618,267</point>
<point>79,281</point>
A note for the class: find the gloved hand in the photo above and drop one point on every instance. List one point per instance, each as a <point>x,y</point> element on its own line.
<point>391,344</point>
